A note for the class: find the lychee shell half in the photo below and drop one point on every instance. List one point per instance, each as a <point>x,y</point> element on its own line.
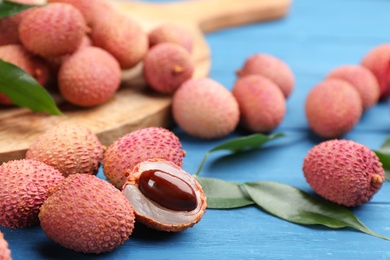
<point>5,252</point>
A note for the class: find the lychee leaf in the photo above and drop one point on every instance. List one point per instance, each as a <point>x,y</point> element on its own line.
<point>24,90</point>
<point>224,195</point>
<point>239,144</point>
<point>297,206</point>
<point>8,8</point>
<point>385,160</point>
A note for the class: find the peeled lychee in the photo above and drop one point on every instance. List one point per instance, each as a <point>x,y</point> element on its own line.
<point>89,77</point>
<point>68,147</point>
<point>344,172</point>
<point>167,66</point>
<point>52,30</point>
<point>137,146</point>
<point>24,185</point>
<point>171,33</point>
<point>362,79</point>
<point>87,214</point>
<point>205,109</point>
<point>271,67</point>
<point>5,253</point>
<point>378,61</point>
<point>333,107</point>
<point>261,102</point>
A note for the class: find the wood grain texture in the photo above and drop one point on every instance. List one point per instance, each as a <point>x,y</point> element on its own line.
<point>134,106</point>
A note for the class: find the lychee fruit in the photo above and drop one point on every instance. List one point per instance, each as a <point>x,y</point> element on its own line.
<point>52,30</point>
<point>87,214</point>
<point>5,252</point>
<point>362,79</point>
<point>333,107</point>
<point>204,108</point>
<point>167,66</point>
<point>378,61</point>
<point>24,185</point>
<point>89,77</point>
<point>271,67</point>
<point>128,43</point>
<point>137,146</point>
<point>172,33</point>
<point>344,172</point>
<point>261,102</point>
<point>68,147</point>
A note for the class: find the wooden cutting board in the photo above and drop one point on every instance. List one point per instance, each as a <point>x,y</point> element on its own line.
<point>135,106</point>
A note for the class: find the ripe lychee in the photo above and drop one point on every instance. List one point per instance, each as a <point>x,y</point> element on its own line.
<point>68,147</point>
<point>167,66</point>
<point>137,146</point>
<point>261,102</point>
<point>271,67</point>
<point>87,214</point>
<point>333,107</point>
<point>5,252</point>
<point>204,108</point>
<point>172,33</point>
<point>52,30</point>
<point>344,172</point>
<point>89,77</point>
<point>24,185</point>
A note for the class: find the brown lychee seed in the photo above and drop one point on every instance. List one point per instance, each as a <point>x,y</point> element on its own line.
<point>271,67</point>
<point>261,102</point>
<point>344,172</point>
<point>52,30</point>
<point>89,77</point>
<point>5,252</point>
<point>333,107</point>
<point>362,79</point>
<point>24,186</point>
<point>164,196</point>
<point>377,60</point>
<point>128,43</point>
<point>167,66</point>
<point>87,214</point>
<point>172,33</point>
<point>68,147</point>
<point>204,108</point>
<point>137,146</point>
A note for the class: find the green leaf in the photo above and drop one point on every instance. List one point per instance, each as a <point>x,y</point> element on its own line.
<point>385,148</point>
<point>385,160</point>
<point>24,90</point>
<point>8,8</point>
<point>241,143</point>
<point>294,205</point>
<point>224,195</point>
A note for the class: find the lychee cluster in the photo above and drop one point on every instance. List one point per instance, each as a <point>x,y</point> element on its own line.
<point>335,105</point>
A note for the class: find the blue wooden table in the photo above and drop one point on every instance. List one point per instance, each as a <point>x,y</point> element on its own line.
<point>314,38</point>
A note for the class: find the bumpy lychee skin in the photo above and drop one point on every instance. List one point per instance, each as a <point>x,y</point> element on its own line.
<point>24,188</point>
<point>378,61</point>
<point>171,33</point>
<point>271,67</point>
<point>128,43</point>
<point>5,252</point>
<point>90,77</point>
<point>261,102</point>
<point>68,147</point>
<point>167,66</point>
<point>344,172</point>
<point>362,79</point>
<point>52,30</point>
<point>87,214</point>
<point>333,107</point>
<point>137,146</point>
<point>205,109</point>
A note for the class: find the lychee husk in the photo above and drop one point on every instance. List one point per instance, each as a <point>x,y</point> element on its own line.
<point>137,146</point>
<point>344,172</point>
<point>154,215</point>
<point>5,252</point>
<point>68,147</point>
<point>172,33</point>
<point>25,184</point>
<point>87,214</point>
